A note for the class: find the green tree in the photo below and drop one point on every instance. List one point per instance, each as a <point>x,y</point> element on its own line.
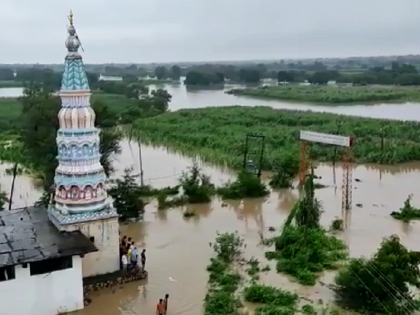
<point>161,72</point>
<point>382,283</point>
<point>320,77</point>
<point>249,76</point>
<point>175,72</point>
<point>126,194</point>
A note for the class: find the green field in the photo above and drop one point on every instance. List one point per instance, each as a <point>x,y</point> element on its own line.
<point>333,94</point>
<point>217,134</point>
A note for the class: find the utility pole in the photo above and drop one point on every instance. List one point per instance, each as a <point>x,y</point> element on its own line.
<point>12,189</point>
<point>140,155</point>
<point>339,124</point>
<point>140,163</point>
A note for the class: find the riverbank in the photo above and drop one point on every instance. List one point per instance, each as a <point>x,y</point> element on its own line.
<point>332,94</point>
<point>217,135</point>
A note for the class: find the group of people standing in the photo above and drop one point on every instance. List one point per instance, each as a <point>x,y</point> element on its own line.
<point>130,256</point>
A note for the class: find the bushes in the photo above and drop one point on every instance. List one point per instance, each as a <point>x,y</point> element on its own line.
<point>223,281</point>
<point>332,94</point>
<point>218,134</point>
<point>246,185</point>
<point>264,294</point>
<point>382,283</point>
<point>304,249</point>
<point>304,254</point>
<point>407,212</point>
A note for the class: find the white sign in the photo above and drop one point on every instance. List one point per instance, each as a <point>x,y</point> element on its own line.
<point>325,138</point>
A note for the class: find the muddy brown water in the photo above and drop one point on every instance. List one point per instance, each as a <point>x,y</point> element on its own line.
<point>199,98</point>
<point>178,248</point>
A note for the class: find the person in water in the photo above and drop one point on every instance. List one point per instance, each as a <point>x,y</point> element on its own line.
<point>143,259</point>
<point>160,308</point>
<point>165,303</point>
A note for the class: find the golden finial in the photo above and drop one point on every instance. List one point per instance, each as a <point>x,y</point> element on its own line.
<point>71,18</point>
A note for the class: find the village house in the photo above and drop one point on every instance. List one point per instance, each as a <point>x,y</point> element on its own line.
<point>40,267</point>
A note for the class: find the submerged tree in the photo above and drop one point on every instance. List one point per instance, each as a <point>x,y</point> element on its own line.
<point>382,283</point>
<point>407,212</point>
<point>246,185</point>
<point>285,171</point>
<point>126,193</point>
<point>197,187</point>
<point>304,249</point>
<point>3,199</point>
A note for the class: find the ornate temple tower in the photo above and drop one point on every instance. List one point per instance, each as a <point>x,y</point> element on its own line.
<point>81,201</point>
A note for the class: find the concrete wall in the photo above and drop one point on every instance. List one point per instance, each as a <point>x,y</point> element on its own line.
<point>47,294</point>
<point>106,239</point>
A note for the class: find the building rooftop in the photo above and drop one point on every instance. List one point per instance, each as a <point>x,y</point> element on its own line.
<point>27,235</point>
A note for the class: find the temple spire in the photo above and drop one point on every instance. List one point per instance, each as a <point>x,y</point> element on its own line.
<point>71,18</point>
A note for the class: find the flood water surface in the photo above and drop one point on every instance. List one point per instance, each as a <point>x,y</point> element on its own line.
<point>178,248</point>
<point>183,97</point>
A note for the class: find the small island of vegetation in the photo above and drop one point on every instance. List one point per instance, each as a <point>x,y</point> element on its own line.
<point>333,94</point>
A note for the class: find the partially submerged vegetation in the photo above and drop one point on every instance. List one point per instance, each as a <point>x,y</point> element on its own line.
<point>407,212</point>
<point>304,249</point>
<point>246,185</point>
<point>273,300</point>
<point>217,135</point>
<point>221,297</point>
<point>333,94</point>
<point>382,283</point>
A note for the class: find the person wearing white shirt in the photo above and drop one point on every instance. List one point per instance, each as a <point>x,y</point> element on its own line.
<point>124,261</point>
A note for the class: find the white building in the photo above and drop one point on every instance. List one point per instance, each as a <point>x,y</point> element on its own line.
<point>44,255</point>
<point>40,267</point>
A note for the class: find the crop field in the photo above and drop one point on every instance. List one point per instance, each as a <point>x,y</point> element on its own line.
<point>217,134</point>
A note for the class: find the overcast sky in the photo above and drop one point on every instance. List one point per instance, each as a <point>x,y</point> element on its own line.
<point>141,31</point>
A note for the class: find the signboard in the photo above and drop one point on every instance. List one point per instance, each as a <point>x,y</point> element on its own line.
<point>326,138</point>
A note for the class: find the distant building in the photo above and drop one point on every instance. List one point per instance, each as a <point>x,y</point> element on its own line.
<point>109,78</point>
<point>44,255</point>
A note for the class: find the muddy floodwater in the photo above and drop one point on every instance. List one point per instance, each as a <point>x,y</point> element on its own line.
<point>178,248</point>
<point>183,97</point>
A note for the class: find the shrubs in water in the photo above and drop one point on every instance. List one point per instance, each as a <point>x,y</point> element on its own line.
<point>275,300</point>
<point>246,185</point>
<point>304,253</point>
<point>382,283</point>
<point>337,225</point>
<point>407,212</point>
<point>285,171</point>
<point>304,249</point>
<point>126,194</point>
<point>196,185</point>
<point>196,188</point>
<point>223,280</point>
